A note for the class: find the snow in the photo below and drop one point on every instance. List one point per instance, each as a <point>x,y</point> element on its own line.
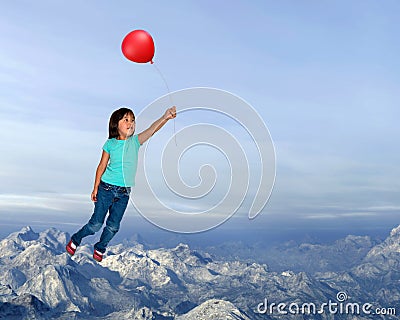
<point>38,277</point>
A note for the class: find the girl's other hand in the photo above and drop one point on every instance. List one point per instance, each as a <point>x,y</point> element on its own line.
<point>170,113</point>
<point>94,195</point>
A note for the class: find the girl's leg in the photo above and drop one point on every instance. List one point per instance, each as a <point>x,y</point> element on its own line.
<point>117,211</point>
<point>102,205</point>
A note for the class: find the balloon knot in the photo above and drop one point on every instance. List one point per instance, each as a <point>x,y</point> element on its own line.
<point>151,62</point>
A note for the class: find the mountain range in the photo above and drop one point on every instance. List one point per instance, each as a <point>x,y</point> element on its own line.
<point>39,280</point>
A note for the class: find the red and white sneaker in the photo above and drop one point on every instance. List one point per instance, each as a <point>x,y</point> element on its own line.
<point>71,248</point>
<point>97,255</point>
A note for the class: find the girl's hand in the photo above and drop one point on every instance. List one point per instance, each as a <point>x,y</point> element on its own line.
<point>94,195</point>
<point>170,113</point>
<point>146,134</point>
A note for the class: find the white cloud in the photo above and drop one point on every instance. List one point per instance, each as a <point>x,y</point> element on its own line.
<point>340,215</point>
<point>52,202</point>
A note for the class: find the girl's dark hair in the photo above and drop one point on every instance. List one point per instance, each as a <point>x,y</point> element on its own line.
<point>114,119</point>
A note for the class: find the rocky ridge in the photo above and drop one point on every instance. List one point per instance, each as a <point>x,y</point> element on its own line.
<point>39,280</point>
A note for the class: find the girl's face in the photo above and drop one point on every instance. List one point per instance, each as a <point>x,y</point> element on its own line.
<point>126,126</point>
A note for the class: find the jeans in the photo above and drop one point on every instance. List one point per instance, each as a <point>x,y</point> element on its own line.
<point>112,199</point>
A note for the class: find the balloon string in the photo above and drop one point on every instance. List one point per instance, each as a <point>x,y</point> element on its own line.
<point>169,95</point>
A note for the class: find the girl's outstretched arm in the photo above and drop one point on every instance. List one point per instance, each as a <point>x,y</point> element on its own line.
<point>99,172</point>
<point>157,125</point>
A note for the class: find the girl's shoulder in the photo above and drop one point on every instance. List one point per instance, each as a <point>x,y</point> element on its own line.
<point>135,140</point>
<point>111,141</point>
<point>132,139</point>
<point>111,144</point>
<point>115,142</point>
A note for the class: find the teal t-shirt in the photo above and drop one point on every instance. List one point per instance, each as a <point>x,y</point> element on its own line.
<point>121,168</point>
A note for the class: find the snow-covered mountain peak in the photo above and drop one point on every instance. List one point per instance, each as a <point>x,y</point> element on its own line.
<point>25,234</point>
<point>395,233</point>
<point>390,248</point>
<point>37,277</point>
<point>215,309</point>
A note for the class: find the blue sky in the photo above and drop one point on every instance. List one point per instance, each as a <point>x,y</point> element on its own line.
<point>323,76</point>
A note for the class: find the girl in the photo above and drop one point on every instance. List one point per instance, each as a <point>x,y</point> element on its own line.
<point>115,175</point>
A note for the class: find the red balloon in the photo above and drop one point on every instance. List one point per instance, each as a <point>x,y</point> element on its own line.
<point>138,46</point>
